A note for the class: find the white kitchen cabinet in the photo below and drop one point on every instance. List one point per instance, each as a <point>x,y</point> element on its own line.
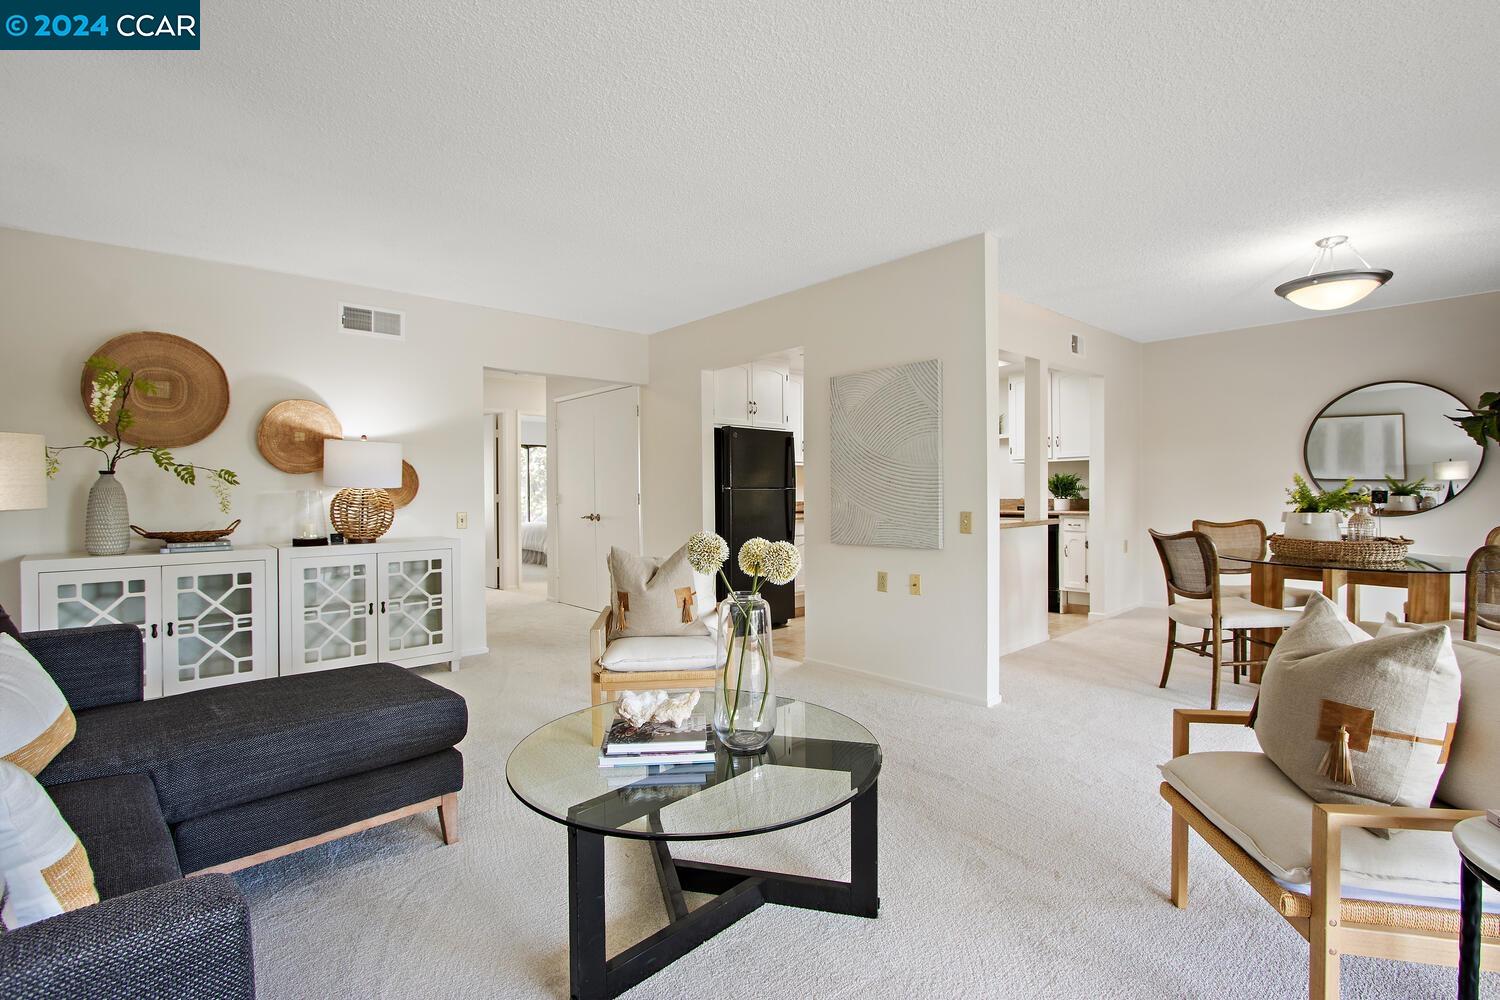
<point>795,415</point>
<point>391,601</point>
<point>1069,417</point>
<point>753,395</point>
<point>207,619</point>
<point>1073,560</point>
<point>1071,410</point>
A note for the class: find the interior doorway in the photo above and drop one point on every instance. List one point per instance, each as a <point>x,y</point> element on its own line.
<point>531,493</point>
<point>514,404</point>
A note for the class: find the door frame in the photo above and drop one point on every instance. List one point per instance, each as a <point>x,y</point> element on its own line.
<point>555,460</point>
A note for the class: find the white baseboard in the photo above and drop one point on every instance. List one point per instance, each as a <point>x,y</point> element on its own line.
<point>476,651</point>
<point>1100,616</point>
<point>898,682</point>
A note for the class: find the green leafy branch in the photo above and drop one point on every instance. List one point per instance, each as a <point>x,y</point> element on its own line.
<point>1483,423</point>
<point>109,391</point>
<point>1304,499</point>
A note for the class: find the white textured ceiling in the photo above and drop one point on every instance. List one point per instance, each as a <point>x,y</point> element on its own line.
<point>1154,168</point>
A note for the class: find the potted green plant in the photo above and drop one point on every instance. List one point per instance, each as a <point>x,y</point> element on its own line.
<point>1405,496</point>
<point>106,525</point>
<point>1065,487</point>
<point>1318,514</point>
<point>1484,423</point>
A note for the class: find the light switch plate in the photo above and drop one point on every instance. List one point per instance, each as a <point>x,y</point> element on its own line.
<point>463,520</point>
<point>882,581</point>
<point>965,522</point>
<point>916,585</point>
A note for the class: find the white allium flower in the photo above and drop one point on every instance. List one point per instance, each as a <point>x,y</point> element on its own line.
<point>101,402</point>
<point>782,562</point>
<point>707,552</point>
<point>753,556</point>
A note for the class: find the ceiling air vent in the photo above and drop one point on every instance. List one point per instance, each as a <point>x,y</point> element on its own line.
<point>372,322</point>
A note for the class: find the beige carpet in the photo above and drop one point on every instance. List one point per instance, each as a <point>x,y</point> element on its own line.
<point>1023,854</point>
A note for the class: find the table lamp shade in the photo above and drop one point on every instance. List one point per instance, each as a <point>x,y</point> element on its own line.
<point>1450,470</point>
<point>362,464</point>
<point>23,471</point>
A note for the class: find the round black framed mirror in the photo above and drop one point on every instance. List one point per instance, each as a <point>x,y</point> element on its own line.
<point>1394,437</point>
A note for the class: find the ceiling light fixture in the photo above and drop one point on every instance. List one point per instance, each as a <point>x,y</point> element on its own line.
<point>1324,290</point>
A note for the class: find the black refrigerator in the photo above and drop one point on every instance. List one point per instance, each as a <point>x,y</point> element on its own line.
<point>755,477</point>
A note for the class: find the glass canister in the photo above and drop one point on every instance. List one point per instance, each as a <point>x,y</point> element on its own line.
<point>310,520</point>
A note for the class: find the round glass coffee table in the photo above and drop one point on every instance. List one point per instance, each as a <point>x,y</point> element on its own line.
<point>817,762</point>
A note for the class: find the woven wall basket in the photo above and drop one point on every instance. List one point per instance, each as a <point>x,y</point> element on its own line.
<point>407,491</point>
<point>192,391</point>
<point>292,433</point>
<point>1363,552</point>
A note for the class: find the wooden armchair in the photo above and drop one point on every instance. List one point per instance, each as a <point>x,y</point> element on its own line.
<point>1332,924</point>
<point>606,683</point>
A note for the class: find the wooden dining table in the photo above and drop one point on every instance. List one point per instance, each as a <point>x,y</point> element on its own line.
<point>1425,578</point>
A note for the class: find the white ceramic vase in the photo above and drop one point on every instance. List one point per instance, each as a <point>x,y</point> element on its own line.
<point>1401,503</point>
<point>1315,527</point>
<point>1062,504</point>
<point>106,519</point>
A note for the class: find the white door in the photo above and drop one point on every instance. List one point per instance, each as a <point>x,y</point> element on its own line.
<point>1070,416</point>
<point>573,465</point>
<point>215,627</point>
<point>768,397</point>
<point>332,608</point>
<point>598,464</point>
<point>1017,419</point>
<point>732,395</point>
<point>78,599</point>
<point>415,619</point>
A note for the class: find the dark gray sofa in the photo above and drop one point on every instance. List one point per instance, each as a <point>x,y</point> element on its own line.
<point>161,789</point>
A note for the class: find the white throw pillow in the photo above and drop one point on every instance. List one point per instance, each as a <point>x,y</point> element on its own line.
<point>35,722</point>
<point>45,867</point>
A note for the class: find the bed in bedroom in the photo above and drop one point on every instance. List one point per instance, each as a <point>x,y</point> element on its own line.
<point>534,543</point>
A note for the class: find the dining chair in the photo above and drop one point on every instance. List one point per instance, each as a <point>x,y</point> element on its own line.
<point>1244,539</point>
<point>1195,599</point>
<point>1482,590</point>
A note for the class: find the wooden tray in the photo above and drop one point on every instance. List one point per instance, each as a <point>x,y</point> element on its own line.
<point>1362,552</point>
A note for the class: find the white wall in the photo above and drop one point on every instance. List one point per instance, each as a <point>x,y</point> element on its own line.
<point>1225,414</point>
<point>277,337</point>
<point>929,305</point>
<point>1116,442</point>
<point>507,392</point>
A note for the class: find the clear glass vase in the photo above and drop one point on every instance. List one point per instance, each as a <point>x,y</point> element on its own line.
<point>744,703</point>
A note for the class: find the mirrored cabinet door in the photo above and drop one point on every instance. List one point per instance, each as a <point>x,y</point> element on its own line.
<point>81,598</point>
<point>333,611</point>
<point>215,625</point>
<point>415,617</point>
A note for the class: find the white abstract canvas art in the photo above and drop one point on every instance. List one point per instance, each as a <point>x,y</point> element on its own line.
<point>886,446</point>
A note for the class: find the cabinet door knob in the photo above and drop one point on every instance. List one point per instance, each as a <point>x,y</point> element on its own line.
<point>153,630</point>
<point>382,607</point>
<point>171,628</point>
<point>371,609</point>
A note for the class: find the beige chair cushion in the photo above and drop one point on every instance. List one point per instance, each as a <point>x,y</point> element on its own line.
<point>653,597</point>
<point>1472,778</point>
<point>1291,596</point>
<point>42,862</point>
<point>1235,612</point>
<point>668,652</point>
<point>35,720</point>
<point>1258,807</point>
<point>1410,682</point>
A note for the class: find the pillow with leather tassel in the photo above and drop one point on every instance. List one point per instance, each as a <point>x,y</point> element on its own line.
<point>1359,722</point>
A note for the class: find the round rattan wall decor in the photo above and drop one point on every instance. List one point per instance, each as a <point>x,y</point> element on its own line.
<point>407,492</point>
<point>292,432</point>
<point>192,392</point>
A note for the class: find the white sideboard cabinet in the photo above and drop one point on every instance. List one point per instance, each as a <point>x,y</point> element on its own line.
<point>207,618</point>
<point>394,601</point>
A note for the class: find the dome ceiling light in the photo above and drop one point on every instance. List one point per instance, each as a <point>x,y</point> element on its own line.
<point>1324,290</point>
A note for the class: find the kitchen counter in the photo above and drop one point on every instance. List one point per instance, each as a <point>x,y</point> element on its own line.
<point>1015,521</point>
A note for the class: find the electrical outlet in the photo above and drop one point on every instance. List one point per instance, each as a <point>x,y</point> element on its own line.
<point>965,522</point>
<point>882,582</point>
<point>463,520</point>
<point>916,585</point>
<point>1126,545</point>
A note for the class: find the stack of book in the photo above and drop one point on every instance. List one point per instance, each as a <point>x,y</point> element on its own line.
<point>657,754</point>
<point>218,545</point>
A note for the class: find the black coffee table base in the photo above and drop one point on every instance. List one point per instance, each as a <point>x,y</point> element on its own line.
<point>740,891</point>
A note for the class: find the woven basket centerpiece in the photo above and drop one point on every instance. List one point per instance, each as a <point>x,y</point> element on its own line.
<point>1353,552</point>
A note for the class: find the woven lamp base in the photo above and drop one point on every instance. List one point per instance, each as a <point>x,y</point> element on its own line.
<point>361,515</point>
